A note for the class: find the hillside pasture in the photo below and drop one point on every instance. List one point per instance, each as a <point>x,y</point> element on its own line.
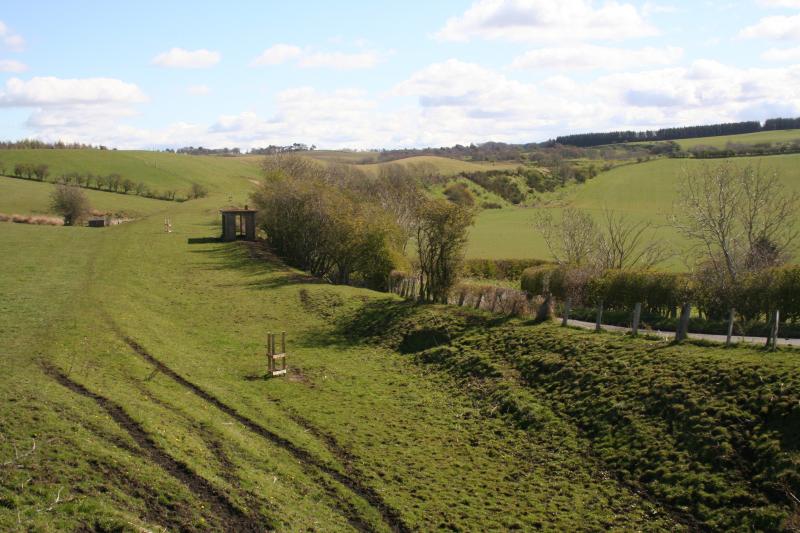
<point>775,136</point>
<point>160,171</point>
<point>645,192</point>
<point>25,197</point>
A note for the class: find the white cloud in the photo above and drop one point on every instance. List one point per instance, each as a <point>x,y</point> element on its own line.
<point>182,58</point>
<point>282,53</point>
<point>10,39</point>
<point>340,60</point>
<point>782,55</point>
<point>597,57</point>
<point>50,91</point>
<point>780,3</point>
<point>547,21</point>
<point>277,54</point>
<point>198,90</point>
<point>10,65</point>
<point>778,27</point>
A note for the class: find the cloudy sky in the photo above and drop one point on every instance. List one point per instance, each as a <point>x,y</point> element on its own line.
<point>394,74</point>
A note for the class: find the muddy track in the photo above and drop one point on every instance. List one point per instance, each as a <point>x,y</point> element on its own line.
<point>391,516</point>
<point>232,518</point>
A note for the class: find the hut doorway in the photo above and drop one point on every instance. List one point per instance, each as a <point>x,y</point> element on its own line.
<point>238,224</point>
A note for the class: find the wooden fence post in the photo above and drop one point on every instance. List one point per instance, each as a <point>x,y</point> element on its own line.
<point>598,323</point>
<point>567,310</point>
<point>461,297</point>
<point>637,314</point>
<point>772,340</point>
<point>683,326</point>
<point>480,299</point>
<point>731,319</point>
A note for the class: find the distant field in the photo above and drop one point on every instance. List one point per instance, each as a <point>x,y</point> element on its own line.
<point>25,197</point>
<point>444,165</point>
<point>644,191</point>
<point>339,156</point>
<point>159,170</point>
<point>779,136</point>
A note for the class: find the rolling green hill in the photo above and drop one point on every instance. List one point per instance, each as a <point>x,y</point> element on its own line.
<point>644,191</point>
<point>24,197</point>
<point>158,170</point>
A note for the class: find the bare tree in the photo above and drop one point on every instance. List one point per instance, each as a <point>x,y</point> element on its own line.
<point>624,243</point>
<point>739,218</point>
<point>573,241</point>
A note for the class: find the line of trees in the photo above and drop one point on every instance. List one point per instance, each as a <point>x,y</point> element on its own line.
<point>664,134</point>
<point>35,144</point>
<point>113,182</point>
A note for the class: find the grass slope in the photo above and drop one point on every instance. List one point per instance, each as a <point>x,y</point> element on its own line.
<point>133,360</point>
<point>32,197</point>
<point>709,433</point>
<point>720,141</point>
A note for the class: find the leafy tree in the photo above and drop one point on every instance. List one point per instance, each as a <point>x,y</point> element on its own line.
<point>197,190</point>
<point>71,203</point>
<point>441,231</point>
<point>127,185</point>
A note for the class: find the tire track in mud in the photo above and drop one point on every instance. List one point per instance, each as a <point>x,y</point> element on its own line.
<point>391,517</point>
<point>233,519</point>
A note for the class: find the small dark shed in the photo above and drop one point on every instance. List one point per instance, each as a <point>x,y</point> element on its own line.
<point>98,222</point>
<point>238,224</point>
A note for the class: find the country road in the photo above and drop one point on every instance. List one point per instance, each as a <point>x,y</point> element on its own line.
<point>671,334</point>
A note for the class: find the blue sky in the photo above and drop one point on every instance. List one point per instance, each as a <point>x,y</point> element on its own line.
<point>368,74</point>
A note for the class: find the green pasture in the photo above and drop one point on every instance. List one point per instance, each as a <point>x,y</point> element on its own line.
<point>720,141</point>
<point>643,191</point>
<point>25,197</point>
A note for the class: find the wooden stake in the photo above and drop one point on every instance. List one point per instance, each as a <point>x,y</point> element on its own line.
<point>637,313</point>
<point>598,323</point>
<point>567,311</point>
<point>683,326</point>
<point>731,319</point>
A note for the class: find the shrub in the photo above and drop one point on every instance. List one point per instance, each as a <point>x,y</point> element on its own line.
<point>197,190</point>
<point>71,203</point>
<point>502,269</point>
<point>458,193</point>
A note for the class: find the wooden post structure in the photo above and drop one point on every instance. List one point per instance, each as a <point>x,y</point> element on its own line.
<point>731,319</point>
<point>273,356</point>
<point>598,323</point>
<point>637,315</point>
<point>567,311</point>
<point>683,325</point>
<point>167,225</point>
<point>480,299</point>
<point>462,295</point>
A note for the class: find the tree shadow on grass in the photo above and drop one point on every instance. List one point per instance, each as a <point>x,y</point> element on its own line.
<point>253,260</point>
<point>402,325</point>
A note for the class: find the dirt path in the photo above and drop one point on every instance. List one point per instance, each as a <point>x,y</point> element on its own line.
<point>390,515</point>
<point>233,519</point>
<point>669,335</point>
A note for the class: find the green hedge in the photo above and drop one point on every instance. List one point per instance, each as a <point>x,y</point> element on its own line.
<point>754,297</point>
<point>503,269</point>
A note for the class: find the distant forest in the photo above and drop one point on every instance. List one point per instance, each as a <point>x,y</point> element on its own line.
<point>669,134</point>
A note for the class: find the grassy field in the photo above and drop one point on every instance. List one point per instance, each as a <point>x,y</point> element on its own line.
<point>133,362</point>
<point>778,136</point>
<point>133,397</point>
<point>645,191</point>
<point>26,197</point>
